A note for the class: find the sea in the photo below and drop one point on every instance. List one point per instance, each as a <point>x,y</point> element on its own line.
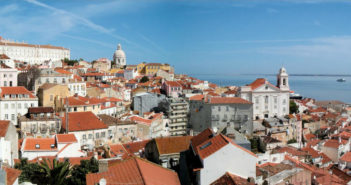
<point>319,87</point>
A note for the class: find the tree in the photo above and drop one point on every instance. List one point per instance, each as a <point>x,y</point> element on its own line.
<point>292,141</point>
<point>144,79</point>
<point>55,173</point>
<point>293,107</point>
<point>70,62</point>
<point>30,171</point>
<point>27,79</point>
<point>79,171</point>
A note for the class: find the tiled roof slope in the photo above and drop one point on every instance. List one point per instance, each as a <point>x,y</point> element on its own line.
<point>135,171</point>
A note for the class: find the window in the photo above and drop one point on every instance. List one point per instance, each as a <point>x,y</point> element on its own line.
<point>275,100</point>
<point>109,132</point>
<point>32,105</point>
<point>219,108</point>
<point>12,117</point>
<point>6,106</point>
<point>85,108</point>
<point>55,80</point>
<point>19,105</point>
<point>13,106</point>
<point>10,83</point>
<point>284,81</point>
<point>75,109</point>
<point>102,134</point>
<point>25,105</point>
<point>5,83</point>
<point>47,80</point>
<point>63,80</point>
<point>6,116</point>
<point>90,136</point>
<point>284,102</point>
<point>227,107</point>
<point>257,100</point>
<point>84,136</point>
<point>5,75</point>
<point>97,135</point>
<point>266,99</point>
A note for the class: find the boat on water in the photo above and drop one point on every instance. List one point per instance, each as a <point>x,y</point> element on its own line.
<point>294,95</point>
<point>341,80</point>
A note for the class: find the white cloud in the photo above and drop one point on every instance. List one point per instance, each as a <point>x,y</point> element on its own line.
<point>328,48</point>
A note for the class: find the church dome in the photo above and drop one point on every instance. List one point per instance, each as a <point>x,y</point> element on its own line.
<point>282,70</point>
<point>119,53</point>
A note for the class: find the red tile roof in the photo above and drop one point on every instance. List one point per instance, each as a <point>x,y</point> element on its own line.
<point>117,149</point>
<point>3,56</point>
<point>170,145</point>
<point>227,100</point>
<point>135,147</point>
<point>44,144</point>
<point>346,157</point>
<point>231,179</point>
<point>173,84</point>
<point>332,143</point>
<point>66,138</point>
<point>62,71</point>
<point>198,97</point>
<point>4,125</point>
<point>259,82</point>
<point>11,175</point>
<point>202,137</point>
<point>135,171</point>
<point>80,121</point>
<point>15,90</point>
<point>310,136</point>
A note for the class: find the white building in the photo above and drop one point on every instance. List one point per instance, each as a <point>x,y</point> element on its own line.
<point>14,101</point>
<point>8,143</point>
<point>119,57</point>
<point>218,155</point>
<point>32,54</point>
<point>61,146</point>
<point>130,73</point>
<point>8,75</point>
<point>269,100</point>
<point>77,87</point>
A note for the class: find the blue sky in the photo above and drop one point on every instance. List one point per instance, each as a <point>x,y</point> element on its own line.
<point>196,37</point>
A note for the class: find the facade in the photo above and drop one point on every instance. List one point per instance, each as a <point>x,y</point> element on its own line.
<point>77,87</point>
<point>219,112</point>
<point>172,88</point>
<point>268,100</point>
<point>146,102</point>
<point>8,143</point>
<point>32,54</point>
<point>8,76</point>
<point>102,65</point>
<point>51,76</point>
<point>177,111</point>
<point>39,122</point>
<point>15,101</point>
<point>49,93</point>
<point>119,57</point>
<point>130,73</point>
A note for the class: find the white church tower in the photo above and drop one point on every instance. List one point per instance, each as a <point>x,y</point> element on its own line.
<point>119,57</point>
<point>283,80</point>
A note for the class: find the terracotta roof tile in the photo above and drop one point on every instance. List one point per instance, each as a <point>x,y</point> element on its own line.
<point>332,143</point>
<point>259,82</point>
<point>176,144</point>
<point>346,157</point>
<point>135,171</point>
<point>66,138</point>
<point>173,84</point>
<point>231,179</point>
<point>135,147</point>
<point>45,144</point>
<point>4,125</point>
<point>15,90</point>
<point>11,175</point>
<point>228,100</point>
<point>79,121</point>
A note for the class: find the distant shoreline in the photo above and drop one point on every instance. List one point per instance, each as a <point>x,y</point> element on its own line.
<point>324,75</point>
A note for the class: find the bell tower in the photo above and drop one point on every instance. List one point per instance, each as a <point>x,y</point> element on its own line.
<point>283,80</point>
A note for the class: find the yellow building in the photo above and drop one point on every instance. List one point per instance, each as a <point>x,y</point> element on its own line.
<point>48,93</point>
<point>150,69</point>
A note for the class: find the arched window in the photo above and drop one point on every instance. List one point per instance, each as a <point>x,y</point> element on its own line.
<point>284,81</point>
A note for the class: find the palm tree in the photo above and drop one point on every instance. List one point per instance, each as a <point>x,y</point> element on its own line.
<point>55,173</point>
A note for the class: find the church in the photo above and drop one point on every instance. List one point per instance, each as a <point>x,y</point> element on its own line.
<point>268,100</point>
<point>119,57</point>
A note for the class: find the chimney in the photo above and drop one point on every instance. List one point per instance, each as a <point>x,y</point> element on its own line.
<point>103,165</point>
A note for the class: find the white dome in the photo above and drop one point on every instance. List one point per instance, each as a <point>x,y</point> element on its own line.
<point>119,53</point>
<point>282,70</point>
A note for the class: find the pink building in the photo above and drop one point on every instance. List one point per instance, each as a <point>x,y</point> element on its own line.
<point>172,88</point>
<point>8,76</point>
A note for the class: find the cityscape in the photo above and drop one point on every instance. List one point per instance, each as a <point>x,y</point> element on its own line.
<point>81,104</point>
